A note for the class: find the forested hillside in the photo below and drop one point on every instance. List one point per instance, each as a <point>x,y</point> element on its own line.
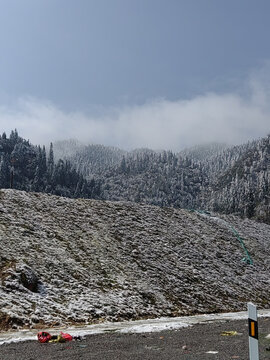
<point>27,167</point>
<point>215,177</point>
<point>241,185</point>
<point>163,179</point>
<point>90,160</point>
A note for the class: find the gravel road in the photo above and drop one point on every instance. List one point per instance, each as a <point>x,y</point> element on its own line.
<point>187,343</point>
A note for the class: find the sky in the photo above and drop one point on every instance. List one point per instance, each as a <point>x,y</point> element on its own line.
<point>162,74</point>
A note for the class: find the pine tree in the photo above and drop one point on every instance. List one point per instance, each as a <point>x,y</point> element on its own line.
<point>50,166</point>
<point>4,172</point>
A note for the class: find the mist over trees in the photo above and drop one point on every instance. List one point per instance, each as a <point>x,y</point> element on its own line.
<point>211,177</point>
<point>215,177</point>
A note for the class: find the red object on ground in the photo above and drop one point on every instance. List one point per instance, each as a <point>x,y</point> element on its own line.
<point>44,337</point>
<point>65,336</point>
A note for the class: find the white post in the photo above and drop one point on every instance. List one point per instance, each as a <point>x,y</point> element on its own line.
<point>253,332</point>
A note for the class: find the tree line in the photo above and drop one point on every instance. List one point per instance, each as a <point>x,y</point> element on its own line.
<point>215,178</point>
<point>24,166</point>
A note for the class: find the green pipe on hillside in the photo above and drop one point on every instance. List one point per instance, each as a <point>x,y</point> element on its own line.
<point>247,259</point>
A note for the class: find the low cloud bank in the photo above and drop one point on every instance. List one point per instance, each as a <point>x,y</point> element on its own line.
<point>160,124</point>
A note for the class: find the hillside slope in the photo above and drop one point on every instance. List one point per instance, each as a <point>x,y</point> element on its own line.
<point>241,185</point>
<point>65,260</point>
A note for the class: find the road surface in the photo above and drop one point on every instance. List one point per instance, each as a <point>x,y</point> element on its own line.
<point>200,341</point>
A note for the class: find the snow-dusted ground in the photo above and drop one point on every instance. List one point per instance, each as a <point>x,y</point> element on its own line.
<point>66,261</point>
<point>136,326</point>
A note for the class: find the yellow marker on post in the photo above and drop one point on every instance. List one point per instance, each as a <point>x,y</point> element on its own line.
<point>253,332</point>
<point>253,328</point>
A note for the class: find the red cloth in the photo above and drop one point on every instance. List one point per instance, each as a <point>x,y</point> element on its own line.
<point>65,336</point>
<point>44,337</point>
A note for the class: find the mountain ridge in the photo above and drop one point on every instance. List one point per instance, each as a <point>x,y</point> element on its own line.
<point>226,180</point>
<point>214,177</point>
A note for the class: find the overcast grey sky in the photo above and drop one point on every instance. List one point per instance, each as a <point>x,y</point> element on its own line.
<point>132,73</point>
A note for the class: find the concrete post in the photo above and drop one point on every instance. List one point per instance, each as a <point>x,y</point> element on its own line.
<point>253,332</point>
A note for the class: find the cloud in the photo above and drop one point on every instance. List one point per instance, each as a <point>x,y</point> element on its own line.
<point>159,124</point>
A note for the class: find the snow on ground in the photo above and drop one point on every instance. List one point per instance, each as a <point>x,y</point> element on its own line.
<point>66,261</point>
<point>137,326</point>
